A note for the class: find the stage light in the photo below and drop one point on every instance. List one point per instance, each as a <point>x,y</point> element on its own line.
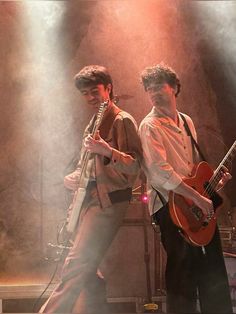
<point>144,198</point>
<point>44,103</point>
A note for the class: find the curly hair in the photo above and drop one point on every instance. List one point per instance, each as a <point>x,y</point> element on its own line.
<point>93,75</point>
<point>159,74</point>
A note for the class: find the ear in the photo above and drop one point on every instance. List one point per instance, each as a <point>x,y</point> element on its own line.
<point>175,89</point>
<point>109,88</point>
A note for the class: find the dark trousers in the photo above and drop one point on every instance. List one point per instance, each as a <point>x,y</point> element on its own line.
<point>192,273</point>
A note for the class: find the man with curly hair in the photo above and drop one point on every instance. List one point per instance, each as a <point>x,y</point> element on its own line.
<point>192,272</point>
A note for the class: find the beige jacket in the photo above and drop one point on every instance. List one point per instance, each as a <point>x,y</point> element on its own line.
<point>116,176</point>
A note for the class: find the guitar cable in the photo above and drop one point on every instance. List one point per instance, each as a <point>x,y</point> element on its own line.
<point>45,289</point>
<point>64,247</point>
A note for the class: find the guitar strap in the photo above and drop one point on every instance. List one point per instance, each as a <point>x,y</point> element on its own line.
<point>194,143</point>
<point>108,120</point>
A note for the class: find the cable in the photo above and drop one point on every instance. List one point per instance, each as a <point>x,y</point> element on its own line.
<point>64,247</point>
<point>41,295</point>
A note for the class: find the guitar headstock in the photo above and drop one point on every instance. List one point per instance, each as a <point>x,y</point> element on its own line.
<point>102,108</point>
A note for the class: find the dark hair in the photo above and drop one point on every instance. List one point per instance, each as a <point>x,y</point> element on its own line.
<point>160,74</point>
<point>93,75</point>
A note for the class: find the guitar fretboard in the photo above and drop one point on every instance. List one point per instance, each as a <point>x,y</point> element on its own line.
<point>218,173</point>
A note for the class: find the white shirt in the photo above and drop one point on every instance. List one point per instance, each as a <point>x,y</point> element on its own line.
<point>168,154</point>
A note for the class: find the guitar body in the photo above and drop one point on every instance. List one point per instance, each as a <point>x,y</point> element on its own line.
<point>86,167</point>
<point>187,216</point>
<point>77,205</point>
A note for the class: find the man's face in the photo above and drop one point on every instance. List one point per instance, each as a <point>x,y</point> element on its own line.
<point>94,95</point>
<point>160,95</point>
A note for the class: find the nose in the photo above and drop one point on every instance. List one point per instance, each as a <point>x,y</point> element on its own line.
<point>90,98</point>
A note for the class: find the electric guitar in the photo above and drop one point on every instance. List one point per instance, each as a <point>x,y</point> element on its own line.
<point>83,181</point>
<point>195,227</point>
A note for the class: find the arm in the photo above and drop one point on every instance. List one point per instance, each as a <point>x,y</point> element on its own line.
<point>161,173</point>
<point>97,145</point>
<point>127,151</point>
<point>200,201</point>
<point>71,181</point>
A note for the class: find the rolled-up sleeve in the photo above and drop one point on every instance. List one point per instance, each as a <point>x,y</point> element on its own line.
<point>72,179</point>
<point>127,154</point>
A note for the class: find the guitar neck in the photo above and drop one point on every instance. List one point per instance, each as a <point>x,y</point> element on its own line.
<point>226,162</point>
<point>97,123</point>
<point>99,117</point>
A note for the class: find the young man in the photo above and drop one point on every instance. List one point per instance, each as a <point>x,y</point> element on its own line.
<point>191,271</point>
<point>115,165</point>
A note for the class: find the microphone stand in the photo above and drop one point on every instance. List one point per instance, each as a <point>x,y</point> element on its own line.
<point>150,306</point>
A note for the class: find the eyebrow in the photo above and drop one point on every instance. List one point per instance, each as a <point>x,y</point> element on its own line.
<point>155,86</point>
<point>90,89</point>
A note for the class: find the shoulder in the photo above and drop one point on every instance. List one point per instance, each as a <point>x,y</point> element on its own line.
<point>190,124</point>
<point>150,122</point>
<point>187,118</point>
<point>125,117</point>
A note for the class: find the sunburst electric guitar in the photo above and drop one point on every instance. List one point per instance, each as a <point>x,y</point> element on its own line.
<point>83,181</point>
<point>195,227</point>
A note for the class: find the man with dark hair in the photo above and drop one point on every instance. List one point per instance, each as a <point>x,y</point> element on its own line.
<point>94,75</point>
<point>115,150</point>
<point>191,271</point>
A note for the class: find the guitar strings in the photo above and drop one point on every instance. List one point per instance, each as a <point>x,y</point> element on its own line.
<point>97,121</point>
<point>210,189</point>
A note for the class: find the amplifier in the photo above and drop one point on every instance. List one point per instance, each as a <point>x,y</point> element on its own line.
<point>226,234</point>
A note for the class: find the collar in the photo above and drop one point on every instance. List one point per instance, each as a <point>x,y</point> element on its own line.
<point>108,119</point>
<point>167,121</point>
